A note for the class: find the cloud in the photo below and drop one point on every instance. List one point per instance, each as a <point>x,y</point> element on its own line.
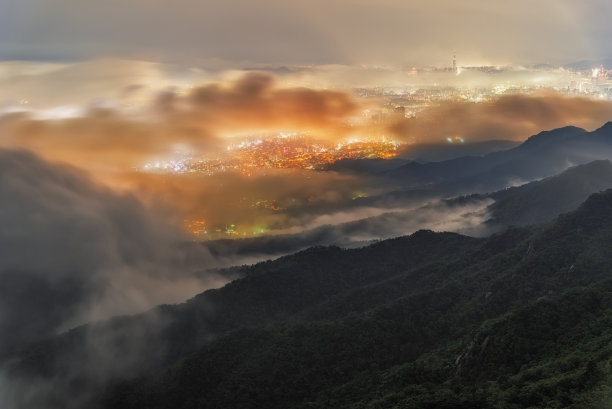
<point>105,138</point>
<point>72,251</point>
<point>111,144</point>
<point>253,102</point>
<point>361,226</point>
<point>268,201</point>
<point>350,31</point>
<point>511,117</point>
<point>369,224</point>
<point>99,253</point>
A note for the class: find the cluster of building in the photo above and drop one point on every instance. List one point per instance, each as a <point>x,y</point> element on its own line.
<point>431,86</point>
<point>283,151</point>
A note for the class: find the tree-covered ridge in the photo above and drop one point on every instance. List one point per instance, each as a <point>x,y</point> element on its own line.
<point>544,200</point>
<point>518,320</point>
<point>83,359</point>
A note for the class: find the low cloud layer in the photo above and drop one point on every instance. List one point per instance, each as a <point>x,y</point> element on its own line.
<point>111,143</point>
<point>72,251</point>
<point>270,201</point>
<point>513,117</point>
<point>194,121</point>
<point>362,226</point>
<point>253,102</point>
<point>437,215</point>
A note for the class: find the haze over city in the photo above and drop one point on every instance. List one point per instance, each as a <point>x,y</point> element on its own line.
<point>155,151</point>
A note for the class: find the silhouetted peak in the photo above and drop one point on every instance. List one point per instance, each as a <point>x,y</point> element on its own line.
<point>601,165</point>
<point>606,129</point>
<point>595,213</point>
<point>424,233</point>
<point>430,236</point>
<point>596,200</point>
<point>554,135</point>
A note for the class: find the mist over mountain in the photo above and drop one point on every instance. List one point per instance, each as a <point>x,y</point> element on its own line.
<point>423,153</point>
<point>305,204</point>
<point>72,251</point>
<point>519,319</point>
<point>476,215</point>
<point>543,155</point>
<point>555,151</point>
<point>464,216</point>
<point>424,320</point>
<point>542,201</point>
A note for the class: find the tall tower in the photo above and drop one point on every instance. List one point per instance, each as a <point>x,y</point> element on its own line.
<point>455,61</point>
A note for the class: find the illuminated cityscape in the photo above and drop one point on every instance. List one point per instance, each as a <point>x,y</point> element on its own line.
<point>305,204</point>
<point>283,151</point>
<point>428,86</point>
<point>425,88</point>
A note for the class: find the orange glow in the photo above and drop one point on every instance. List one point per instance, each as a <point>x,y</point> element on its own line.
<point>196,227</point>
<point>280,152</point>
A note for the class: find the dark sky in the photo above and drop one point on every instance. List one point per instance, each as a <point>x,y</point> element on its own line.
<point>312,31</point>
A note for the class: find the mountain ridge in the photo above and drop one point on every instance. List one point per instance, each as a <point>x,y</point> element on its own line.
<point>353,318</point>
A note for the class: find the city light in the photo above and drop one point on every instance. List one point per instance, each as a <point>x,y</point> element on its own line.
<point>281,151</point>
